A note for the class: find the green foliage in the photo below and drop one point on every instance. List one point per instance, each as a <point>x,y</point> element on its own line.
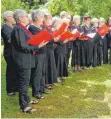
<point>12,5</point>
<point>99,8</point>
<point>70,6</point>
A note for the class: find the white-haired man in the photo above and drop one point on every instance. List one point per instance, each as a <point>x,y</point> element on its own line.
<point>105,44</point>
<point>88,44</point>
<point>23,57</point>
<point>38,73</point>
<point>6,30</point>
<point>76,50</point>
<point>97,49</point>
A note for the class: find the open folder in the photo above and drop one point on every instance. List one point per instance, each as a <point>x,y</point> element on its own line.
<point>103,30</point>
<point>40,37</point>
<point>87,37</point>
<point>60,30</point>
<point>84,37</point>
<point>45,36</point>
<point>68,35</point>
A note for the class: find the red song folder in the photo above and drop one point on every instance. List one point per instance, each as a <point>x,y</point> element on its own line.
<point>84,37</point>
<point>40,37</point>
<point>60,30</point>
<point>103,30</point>
<point>77,35</point>
<point>66,35</point>
<point>109,25</point>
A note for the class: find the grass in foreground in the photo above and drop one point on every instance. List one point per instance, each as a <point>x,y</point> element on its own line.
<point>85,95</point>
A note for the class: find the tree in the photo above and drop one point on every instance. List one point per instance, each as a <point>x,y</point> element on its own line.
<point>99,8</point>
<point>12,5</point>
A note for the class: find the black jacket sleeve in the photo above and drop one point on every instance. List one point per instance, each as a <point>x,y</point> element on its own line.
<point>6,33</point>
<point>20,41</point>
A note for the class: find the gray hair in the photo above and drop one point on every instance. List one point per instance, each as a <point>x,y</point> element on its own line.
<point>66,20</point>
<point>19,13</point>
<point>102,20</point>
<point>56,21</point>
<point>76,17</point>
<point>94,20</point>
<point>7,14</point>
<point>46,13</point>
<point>63,13</point>
<point>29,16</point>
<point>36,14</point>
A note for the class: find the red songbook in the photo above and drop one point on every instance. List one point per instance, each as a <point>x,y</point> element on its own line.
<point>40,37</point>
<point>70,35</point>
<point>103,30</point>
<point>60,30</point>
<point>110,25</point>
<point>84,37</point>
<point>77,35</point>
<point>66,35</point>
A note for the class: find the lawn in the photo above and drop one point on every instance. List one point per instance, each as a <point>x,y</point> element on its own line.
<point>85,95</point>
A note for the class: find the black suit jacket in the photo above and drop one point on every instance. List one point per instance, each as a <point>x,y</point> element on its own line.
<point>6,35</point>
<point>21,50</point>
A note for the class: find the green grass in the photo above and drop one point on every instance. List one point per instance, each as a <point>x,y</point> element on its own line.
<point>85,95</point>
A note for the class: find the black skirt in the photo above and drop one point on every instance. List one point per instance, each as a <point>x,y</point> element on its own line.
<point>61,62</point>
<point>87,52</point>
<point>51,72</point>
<point>76,53</point>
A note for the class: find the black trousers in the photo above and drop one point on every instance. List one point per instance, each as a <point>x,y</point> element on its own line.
<point>11,73</point>
<point>94,62</point>
<point>24,78</point>
<point>90,52</point>
<point>85,54</point>
<point>99,55</point>
<point>105,51</point>
<point>38,75</point>
<point>51,72</point>
<point>76,53</point>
